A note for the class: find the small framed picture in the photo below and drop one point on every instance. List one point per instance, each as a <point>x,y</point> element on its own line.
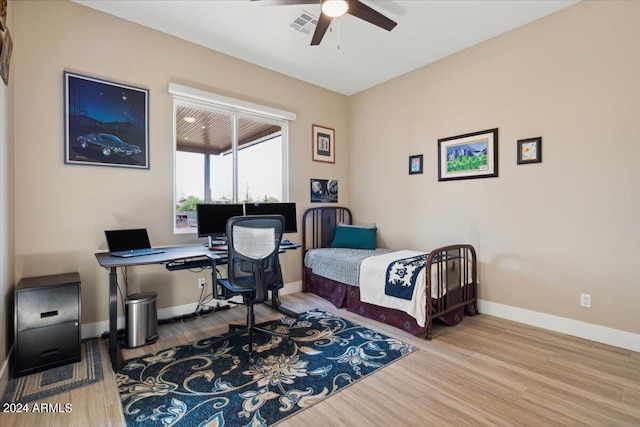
<point>324,190</point>
<point>530,150</point>
<point>3,15</point>
<point>6,47</point>
<point>323,144</point>
<point>415,164</point>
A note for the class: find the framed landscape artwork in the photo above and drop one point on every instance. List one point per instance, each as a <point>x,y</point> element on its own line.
<point>106,123</point>
<point>472,155</point>
<point>323,144</point>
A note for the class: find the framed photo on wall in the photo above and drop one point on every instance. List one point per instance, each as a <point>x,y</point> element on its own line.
<point>106,123</point>
<point>530,150</point>
<point>472,155</point>
<point>323,144</point>
<point>324,190</point>
<point>3,15</point>
<point>415,164</point>
<point>6,47</point>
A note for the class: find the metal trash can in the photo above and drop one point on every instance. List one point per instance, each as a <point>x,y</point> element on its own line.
<point>142,319</point>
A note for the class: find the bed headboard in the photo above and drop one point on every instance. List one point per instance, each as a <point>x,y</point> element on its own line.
<point>319,225</point>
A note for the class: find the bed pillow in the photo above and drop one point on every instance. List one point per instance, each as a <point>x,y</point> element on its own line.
<point>364,225</point>
<point>354,237</point>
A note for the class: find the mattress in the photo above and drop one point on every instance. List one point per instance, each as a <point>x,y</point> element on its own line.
<point>323,263</point>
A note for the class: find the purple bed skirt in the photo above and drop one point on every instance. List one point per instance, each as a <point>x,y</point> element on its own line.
<point>343,295</point>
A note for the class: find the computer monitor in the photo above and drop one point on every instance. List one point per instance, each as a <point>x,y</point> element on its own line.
<point>212,218</point>
<point>288,210</point>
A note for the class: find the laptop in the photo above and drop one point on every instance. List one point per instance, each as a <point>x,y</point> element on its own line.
<point>130,243</point>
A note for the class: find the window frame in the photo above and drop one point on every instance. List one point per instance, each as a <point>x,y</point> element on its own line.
<point>184,96</point>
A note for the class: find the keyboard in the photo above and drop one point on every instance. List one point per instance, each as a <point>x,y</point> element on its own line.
<point>218,248</point>
<point>187,264</point>
<point>136,252</point>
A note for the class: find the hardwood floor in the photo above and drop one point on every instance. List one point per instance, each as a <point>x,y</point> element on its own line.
<point>484,372</point>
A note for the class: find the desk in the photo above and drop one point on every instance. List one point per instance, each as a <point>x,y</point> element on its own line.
<point>172,253</point>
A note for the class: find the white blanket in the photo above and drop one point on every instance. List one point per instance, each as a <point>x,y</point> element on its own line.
<point>373,273</point>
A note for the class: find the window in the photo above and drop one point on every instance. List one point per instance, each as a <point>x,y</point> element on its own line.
<point>226,151</point>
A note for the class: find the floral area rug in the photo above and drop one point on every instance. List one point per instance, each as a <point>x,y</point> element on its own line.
<point>205,384</point>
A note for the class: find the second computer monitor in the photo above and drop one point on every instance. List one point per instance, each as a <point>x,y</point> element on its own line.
<point>212,218</point>
<point>288,210</point>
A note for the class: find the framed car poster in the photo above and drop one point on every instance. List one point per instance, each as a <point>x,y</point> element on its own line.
<point>106,123</point>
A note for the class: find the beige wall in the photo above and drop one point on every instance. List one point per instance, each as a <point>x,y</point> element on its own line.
<point>62,210</point>
<point>544,232</point>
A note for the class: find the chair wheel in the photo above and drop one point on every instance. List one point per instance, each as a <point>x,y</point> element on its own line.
<point>289,342</point>
<point>252,360</point>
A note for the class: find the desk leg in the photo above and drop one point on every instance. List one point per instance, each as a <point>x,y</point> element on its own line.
<point>114,350</point>
<point>214,279</point>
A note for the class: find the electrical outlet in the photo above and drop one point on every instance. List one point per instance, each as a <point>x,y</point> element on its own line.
<point>201,282</point>
<point>585,300</point>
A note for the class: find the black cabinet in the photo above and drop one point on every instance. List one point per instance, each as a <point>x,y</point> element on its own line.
<point>47,322</point>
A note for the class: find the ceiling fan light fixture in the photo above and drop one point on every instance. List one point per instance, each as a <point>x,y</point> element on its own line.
<point>334,8</point>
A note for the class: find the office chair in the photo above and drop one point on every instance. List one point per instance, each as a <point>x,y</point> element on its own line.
<point>253,268</point>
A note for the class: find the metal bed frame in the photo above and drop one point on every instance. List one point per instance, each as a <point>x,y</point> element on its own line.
<point>454,279</point>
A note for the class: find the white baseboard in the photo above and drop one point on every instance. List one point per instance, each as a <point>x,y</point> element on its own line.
<point>96,329</point>
<point>601,334</point>
<point>292,288</point>
<point>576,328</point>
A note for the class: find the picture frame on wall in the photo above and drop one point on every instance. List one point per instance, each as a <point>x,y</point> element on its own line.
<point>530,150</point>
<point>323,144</point>
<point>6,48</point>
<point>323,190</point>
<point>468,156</point>
<point>415,164</point>
<point>3,15</point>
<point>106,123</point>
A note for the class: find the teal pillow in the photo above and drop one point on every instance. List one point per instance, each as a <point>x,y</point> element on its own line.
<point>354,237</point>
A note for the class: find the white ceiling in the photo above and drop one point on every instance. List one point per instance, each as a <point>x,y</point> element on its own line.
<point>355,55</point>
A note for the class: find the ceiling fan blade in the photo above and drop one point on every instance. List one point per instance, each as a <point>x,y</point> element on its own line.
<point>323,23</point>
<point>285,2</point>
<point>364,12</point>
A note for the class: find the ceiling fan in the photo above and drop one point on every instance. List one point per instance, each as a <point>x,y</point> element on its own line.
<point>336,8</point>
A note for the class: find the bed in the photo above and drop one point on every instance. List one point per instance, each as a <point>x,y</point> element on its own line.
<point>342,264</point>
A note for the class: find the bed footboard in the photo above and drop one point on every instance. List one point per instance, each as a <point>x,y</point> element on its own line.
<point>451,283</point>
